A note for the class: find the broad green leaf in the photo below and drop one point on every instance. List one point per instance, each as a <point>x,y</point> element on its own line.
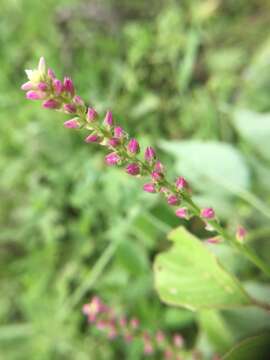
<point>255,129</point>
<point>256,347</point>
<point>188,275</point>
<point>210,164</point>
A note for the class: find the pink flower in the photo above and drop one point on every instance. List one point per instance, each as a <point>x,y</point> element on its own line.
<point>214,240</point>
<point>182,213</point>
<point>51,74</point>
<point>92,138</point>
<point>159,167</point>
<point>149,154</point>
<point>42,86</point>
<point>173,200</point>
<point>69,108</point>
<point>68,85</point>
<point>112,159</point>
<point>133,146</point>
<point>58,86</point>
<point>134,323</point>
<point>27,86</point>
<point>148,348</point>
<point>108,121</point>
<point>241,232</point>
<point>113,142</point>
<point>156,176</point>
<point>91,114</point>
<point>34,95</point>
<point>208,213</point>
<point>78,100</point>
<point>181,183</point>
<point>160,337</point>
<point>150,187</point>
<point>51,104</point>
<point>118,132</point>
<point>133,169</point>
<point>178,340</point>
<point>72,123</point>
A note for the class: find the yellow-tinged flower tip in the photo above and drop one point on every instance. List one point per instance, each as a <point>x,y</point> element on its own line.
<point>36,75</point>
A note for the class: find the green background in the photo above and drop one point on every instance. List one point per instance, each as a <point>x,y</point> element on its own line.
<point>190,77</point>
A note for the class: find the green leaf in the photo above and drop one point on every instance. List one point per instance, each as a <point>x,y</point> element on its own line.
<point>188,275</point>
<point>255,129</point>
<point>256,347</point>
<point>210,164</point>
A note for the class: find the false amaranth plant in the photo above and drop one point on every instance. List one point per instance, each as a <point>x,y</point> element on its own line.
<point>117,326</point>
<point>124,152</point>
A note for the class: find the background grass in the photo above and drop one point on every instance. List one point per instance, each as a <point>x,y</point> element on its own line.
<point>70,227</point>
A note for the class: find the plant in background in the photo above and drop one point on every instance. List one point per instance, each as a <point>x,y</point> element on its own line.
<point>125,152</point>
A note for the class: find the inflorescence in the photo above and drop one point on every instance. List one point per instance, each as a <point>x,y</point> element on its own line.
<point>115,326</point>
<point>122,150</point>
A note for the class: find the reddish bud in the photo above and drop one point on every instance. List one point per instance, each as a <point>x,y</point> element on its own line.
<point>78,100</point>
<point>91,114</point>
<point>68,85</point>
<point>159,167</point>
<point>92,138</point>
<point>133,146</point>
<point>118,132</point>
<point>156,176</point>
<point>72,124</point>
<point>149,154</point>
<point>113,142</point>
<point>27,86</point>
<point>173,200</point>
<point>150,187</point>
<point>51,104</point>
<point>69,108</point>
<point>58,86</point>
<point>178,340</point>
<point>241,232</point>
<point>112,159</point>
<point>134,323</point>
<point>51,74</point>
<point>108,121</point>
<point>182,213</point>
<point>34,95</point>
<point>181,183</point>
<point>208,213</point>
<point>42,86</point>
<point>133,169</point>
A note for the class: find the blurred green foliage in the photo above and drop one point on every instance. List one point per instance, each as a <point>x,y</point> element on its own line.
<point>170,70</point>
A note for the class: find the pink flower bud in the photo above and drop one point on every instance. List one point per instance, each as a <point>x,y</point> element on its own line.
<point>78,100</point>
<point>133,146</point>
<point>113,142</point>
<point>156,176</point>
<point>58,86</point>
<point>69,108</point>
<point>160,337</point>
<point>178,340</point>
<point>42,86</point>
<point>51,74</point>
<point>92,138</point>
<point>108,121</point>
<point>51,104</point>
<point>27,86</point>
<point>72,124</point>
<point>68,85</point>
<point>159,167</point>
<point>118,132</point>
<point>208,213</point>
<point>134,323</point>
<point>91,115</point>
<point>112,159</point>
<point>149,154</point>
<point>148,348</point>
<point>214,240</point>
<point>182,213</point>
<point>122,322</point>
<point>150,187</point>
<point>173,200</point>
<point>181,183</point>
<point>241,232</point>
<point>33,95</point>
<point>133,169</point>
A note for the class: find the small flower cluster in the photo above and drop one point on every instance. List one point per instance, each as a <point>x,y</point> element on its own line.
<point>122,150</point>
<point>106,320</point>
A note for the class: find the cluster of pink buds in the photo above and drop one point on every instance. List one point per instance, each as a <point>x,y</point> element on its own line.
<point>115,326</point>
<point>122,151</point>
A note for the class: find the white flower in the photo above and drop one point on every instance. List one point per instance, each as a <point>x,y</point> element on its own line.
<point>36,75</point>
